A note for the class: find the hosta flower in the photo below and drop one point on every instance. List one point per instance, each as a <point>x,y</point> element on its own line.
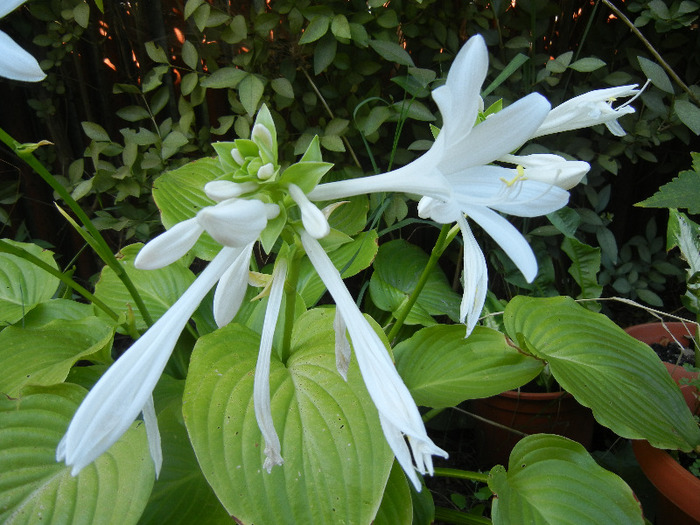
<point>398,413</point>
<point>456,176</point>
<point>15,62</point>
<point>589,109</point>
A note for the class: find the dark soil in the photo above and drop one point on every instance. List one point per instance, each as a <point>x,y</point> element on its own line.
<point>674,353</point>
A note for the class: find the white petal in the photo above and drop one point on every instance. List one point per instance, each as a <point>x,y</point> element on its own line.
<point>237,157</point>
<point>7,6</point>
<point>235,222</point>
<point>150,421</point>
<point>508,238</point>
<point>388,392</point>
<point>499,134</point>
<point>266,171</point>
<point>458,100</point>
<point>261,385</point>
<point>169,246</point>
<point>342,346</point>
<point>475,279</point>
<point>313,219</point>
<point>122,392</point>
<point>16,63</point>
<point>221,190</point>
<point>231,289</point>
<point>552,169</point>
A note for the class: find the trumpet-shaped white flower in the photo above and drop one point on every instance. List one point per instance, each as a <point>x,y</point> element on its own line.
<point>15,62</point>
<point>125,389</point>
<point>456,178</point>
<point>398,413</point>
<point>590,108</point>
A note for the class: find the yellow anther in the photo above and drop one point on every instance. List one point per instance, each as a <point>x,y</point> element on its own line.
<point>520,176</point>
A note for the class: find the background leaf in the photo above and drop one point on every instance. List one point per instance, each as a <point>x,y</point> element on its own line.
<point>37,489</point>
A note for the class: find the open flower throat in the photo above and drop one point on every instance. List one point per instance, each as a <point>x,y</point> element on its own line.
<point>470,172</point>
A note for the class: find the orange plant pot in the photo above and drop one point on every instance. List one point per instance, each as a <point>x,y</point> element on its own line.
<point>527,413</point>
<point>678,501</point>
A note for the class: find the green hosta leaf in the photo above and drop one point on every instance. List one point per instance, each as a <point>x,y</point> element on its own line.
<point>551,479</point>
<point>44,355</point>
<point>350,259</point>
<point>396,273</point>
<point>392,52</point>
<point>597,362</point>
<point>441,368</point>
<point>179,194</point>
<point>158,288</point>
<point>585,265</point>
<point>396,507</point>
<point>181,494</point>
<point>336,460</point>
<point>656,74</point>
<point>681,192</point>
<point>37,489</point>
<point>22,284</point>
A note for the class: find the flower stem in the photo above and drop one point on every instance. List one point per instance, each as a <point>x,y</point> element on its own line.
<point>446,235</point>
<point>290,293</point>
<point>100,245</point>
<point>481,477</point>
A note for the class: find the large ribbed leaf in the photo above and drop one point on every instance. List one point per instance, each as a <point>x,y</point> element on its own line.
<point>159,289</point>
<point>551,479</point>
<point>23,285</point>
<point>34,488</point>
<point>336,460</point>
<point>621,379</point>
<point>179,194</point>
<point>396,506</point>
<point>44,355</point>
<point>441,368</point>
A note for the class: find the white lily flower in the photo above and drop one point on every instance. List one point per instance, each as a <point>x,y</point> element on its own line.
<point>589,109</point>
<point>261,384</point>
<point>221,190</point>
<point>125,389</point>
<point>15,62</point>
<point>230,291</point>
<point>398,413</point>
<point>236,222</point>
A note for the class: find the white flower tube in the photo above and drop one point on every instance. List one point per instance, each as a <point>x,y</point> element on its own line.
<point>125,389</point>
<point>398,412</point>
<point>261,385</point>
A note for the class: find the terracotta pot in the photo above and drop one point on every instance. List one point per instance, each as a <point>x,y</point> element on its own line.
<point>528,413</point>
<point>678,490</point>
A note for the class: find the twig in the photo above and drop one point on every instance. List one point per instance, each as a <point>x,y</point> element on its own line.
<point>653,51</point>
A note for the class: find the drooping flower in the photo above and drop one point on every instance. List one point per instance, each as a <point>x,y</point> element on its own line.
<point>15,62</point>
<point>398,413</point>
<point>591,108</point>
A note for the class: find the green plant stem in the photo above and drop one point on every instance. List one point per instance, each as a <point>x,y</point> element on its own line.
<point>447,233</point>
<point>105,253</point>
<point>481,477</point>
<point>8,248</point>
<point>444,515</point>
<point>430,414</point>
<point>290,292</point>
<point>651,49</point>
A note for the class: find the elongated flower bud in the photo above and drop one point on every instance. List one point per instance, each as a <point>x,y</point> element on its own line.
<point>314,220</point>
